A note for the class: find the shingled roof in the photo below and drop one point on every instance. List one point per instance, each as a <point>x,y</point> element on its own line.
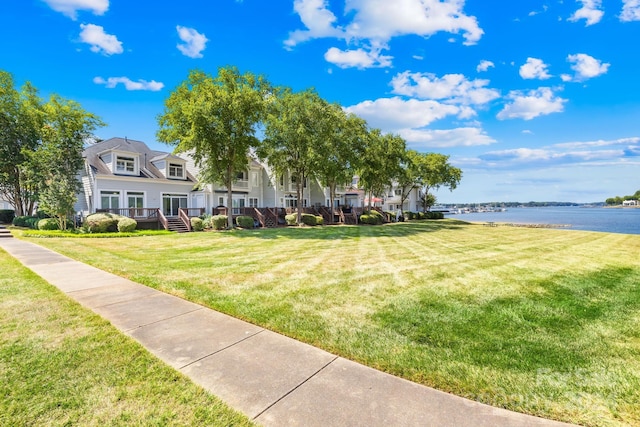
<point>147,156</point>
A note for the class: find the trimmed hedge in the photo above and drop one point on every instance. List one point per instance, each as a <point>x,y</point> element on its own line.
<point>197,224</point>
<point>319,220</point>
<point>7,215</point>
<point>219,222</point>
<point>291,219</point>
<point>308,219</point>
<point>371,217</point>
<point>244,221</point>
<point>127,225</point>
<point>26,221</point>
<point>102,223</point>
<point>48,224</point>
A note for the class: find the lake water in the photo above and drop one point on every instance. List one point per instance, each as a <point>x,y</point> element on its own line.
<point>610,220</point>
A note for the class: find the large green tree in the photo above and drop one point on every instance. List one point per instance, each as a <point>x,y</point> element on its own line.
<point>65,129</point>
<point>295,131</point>
<point>381,162</point>
<point>20,125</point>
<point>340,151</point>
<point>215,119</point>
<point>433,172</point>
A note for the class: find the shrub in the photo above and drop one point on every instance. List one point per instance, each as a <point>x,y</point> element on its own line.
<point>197,224</point>
<point>371,217</point>
<point>244,221</point>
<point>219,222</point>
<point>410,215</point>
<point>127,225</point>
<point>102,223</point>
<point>206,221</point>
<point>20,221</point>
<point>7,215</point>
<point>48,224</point>
<point>435,215</point>
<point>309,219</point>
<point>291,219</point>
<point>319,220</point>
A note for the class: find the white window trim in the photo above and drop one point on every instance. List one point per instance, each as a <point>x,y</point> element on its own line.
<point>175,165</point>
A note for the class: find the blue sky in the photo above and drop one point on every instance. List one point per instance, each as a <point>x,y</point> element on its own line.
<point>533,100</point>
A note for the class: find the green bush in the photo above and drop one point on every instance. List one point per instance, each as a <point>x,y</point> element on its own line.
<point>309,219</point>
<point>20,221</point>
<point>206,221</point>
<point>26,221</point>
<point>435,215</point>
<point>102,223</point>
<point>319,220</point>
<point>7,215</point>
<point>371,217</point>
<point>219,222</point>
<point>410,215</point>
<point>48,224</point>
<point>244,221</point>
<point>127,225</point>
<point>291,219</point>
<point>197,224</point>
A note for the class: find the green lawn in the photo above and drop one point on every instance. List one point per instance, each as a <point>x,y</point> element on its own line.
<point>540,321</point>
<point>62,365</point>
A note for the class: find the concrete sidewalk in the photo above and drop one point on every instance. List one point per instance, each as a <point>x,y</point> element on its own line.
<point>274,380</point>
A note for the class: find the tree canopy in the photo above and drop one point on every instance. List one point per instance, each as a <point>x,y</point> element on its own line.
<point>296,127</point>
<point>215,119</point>
<point>41,149</point>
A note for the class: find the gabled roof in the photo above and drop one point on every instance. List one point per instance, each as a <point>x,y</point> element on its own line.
<point>147,169</point>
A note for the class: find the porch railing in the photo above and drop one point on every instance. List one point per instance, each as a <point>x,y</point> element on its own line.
<point>135,213</point>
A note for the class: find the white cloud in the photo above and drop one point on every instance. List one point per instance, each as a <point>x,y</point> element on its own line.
<point>590,11</point>
<point>382,19</point>
<point>484,65</point>
<point>534,68</point>
<point>532,104</point>
<point>99,40</point>
<point>194,42</point>
<point>460,137</point>
<point>585,67</point>
<point>452,88</point>
<point>358,58</point>
<point>317,18</point>
<point>630,11</point>
<point>602,152</point>
<point>129,84</point>
<point>394,114</point>
<point>375,22</point>
<point>71,7</point>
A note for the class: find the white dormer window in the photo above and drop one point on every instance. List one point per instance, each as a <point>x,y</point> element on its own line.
<point>176,170</point>
<point>125,165</point>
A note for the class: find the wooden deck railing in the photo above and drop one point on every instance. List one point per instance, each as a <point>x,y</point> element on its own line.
<point>184,217</point>
<point>135,213</point>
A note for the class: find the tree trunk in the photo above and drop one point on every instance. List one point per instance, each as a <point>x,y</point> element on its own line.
<point>229,185</point>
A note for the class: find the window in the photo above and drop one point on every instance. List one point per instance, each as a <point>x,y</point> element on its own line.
<point>221,201</point>
<point>255,182</point>
<point>110,199</point>
<point>176,170</point>
<point>125,164</point>
<point>241,176</point>
<point>135,202</point>
<point>253,202</point>
<point>398,192</point>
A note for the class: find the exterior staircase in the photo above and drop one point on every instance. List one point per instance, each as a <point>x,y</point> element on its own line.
<point>176,224</point>
<point>4,233</point>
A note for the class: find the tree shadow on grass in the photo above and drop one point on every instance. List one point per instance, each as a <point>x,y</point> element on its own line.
<point>345,232</point>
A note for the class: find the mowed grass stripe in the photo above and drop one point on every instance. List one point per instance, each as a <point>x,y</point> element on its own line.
<point>541,321</point>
